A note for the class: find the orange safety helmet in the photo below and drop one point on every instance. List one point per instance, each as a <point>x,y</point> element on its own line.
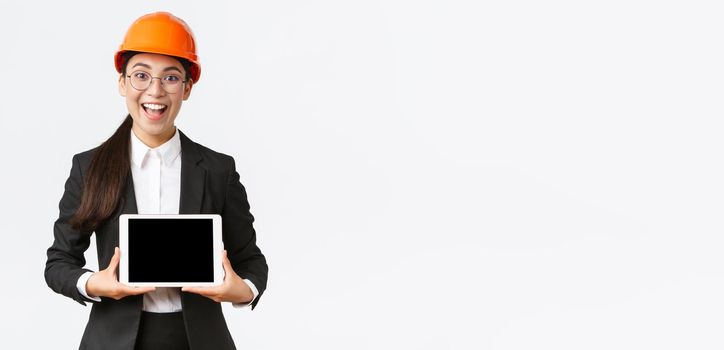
<point>161,33</point>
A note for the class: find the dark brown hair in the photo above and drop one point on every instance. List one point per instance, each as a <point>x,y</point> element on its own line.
<point>105,180</point>
<point>107,175</point>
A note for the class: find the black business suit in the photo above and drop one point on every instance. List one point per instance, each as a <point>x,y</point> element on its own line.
<point>209,185</point>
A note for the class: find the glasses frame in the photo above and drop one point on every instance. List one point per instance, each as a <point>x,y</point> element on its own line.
<point>160,79</point>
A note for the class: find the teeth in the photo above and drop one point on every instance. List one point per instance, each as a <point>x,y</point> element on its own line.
<point>153,106</point>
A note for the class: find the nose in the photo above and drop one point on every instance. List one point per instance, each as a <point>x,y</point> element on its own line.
<point>155,89</point>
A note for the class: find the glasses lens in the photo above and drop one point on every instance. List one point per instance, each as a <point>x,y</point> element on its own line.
<point>140,80</point>
<point>171,83</point>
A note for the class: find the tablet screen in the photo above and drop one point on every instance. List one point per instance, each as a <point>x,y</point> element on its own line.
<point>170,250</point>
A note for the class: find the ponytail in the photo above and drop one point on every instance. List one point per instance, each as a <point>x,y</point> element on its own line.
<point>105,182</point>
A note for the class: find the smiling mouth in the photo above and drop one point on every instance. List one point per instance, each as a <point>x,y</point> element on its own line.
<point>154,110</point>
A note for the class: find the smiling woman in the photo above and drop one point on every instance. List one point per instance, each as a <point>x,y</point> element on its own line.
<point>154,106</point>
<point>148,166</point>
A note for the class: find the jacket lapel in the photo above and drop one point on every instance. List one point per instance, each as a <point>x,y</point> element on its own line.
<point>129,205</point>
<point>193,177</point>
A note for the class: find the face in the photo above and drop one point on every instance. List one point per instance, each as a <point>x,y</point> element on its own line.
<point>154,110</point>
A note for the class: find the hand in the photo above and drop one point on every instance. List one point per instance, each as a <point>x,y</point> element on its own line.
<point>105,283</point>
<point>234,289</point>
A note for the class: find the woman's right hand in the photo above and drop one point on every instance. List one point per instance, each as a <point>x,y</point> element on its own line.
<point>105,283</point>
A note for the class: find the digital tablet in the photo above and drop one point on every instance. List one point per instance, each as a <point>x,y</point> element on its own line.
<point>170,250</point>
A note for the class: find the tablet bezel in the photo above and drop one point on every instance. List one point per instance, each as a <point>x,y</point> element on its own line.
<point>217,246</point>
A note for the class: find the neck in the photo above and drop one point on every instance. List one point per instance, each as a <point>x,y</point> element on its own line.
<point>153,141</point>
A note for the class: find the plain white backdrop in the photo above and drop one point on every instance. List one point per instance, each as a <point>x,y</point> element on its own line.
<point>424,174</point>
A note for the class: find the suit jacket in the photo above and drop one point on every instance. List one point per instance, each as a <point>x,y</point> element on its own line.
<point>209,185</point>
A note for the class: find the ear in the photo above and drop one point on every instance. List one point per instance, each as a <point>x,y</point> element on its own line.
<point>187,88</point>
<point>122,85</point>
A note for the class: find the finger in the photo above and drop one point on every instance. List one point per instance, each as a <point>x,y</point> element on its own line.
<point>127,290</point>
<point>195,290</point>
<point>205,291</point>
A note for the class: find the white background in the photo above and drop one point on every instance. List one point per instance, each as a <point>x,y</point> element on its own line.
<point>424,174</point>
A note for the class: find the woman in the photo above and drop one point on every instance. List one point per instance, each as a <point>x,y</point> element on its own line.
<point>149,167</point>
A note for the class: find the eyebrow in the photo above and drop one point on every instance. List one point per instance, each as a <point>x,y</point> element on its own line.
<point>149,67</point>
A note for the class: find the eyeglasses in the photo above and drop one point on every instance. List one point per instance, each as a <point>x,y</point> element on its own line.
<point>141,81</point>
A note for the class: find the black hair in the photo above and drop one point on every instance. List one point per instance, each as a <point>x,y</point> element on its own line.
<point>109,169</point>
<point>126,56</point>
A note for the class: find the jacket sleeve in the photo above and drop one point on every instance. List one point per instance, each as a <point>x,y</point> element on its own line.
<point>239,235</point>
<point>66,256</point>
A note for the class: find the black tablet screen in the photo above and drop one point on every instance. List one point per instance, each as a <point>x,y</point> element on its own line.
<point>170,250</point>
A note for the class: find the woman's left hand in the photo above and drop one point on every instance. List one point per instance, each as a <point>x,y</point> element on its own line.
<point>234,289</point>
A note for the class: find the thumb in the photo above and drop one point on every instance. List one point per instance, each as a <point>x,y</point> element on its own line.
<point>226,263</point>
<point>113,265</point>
